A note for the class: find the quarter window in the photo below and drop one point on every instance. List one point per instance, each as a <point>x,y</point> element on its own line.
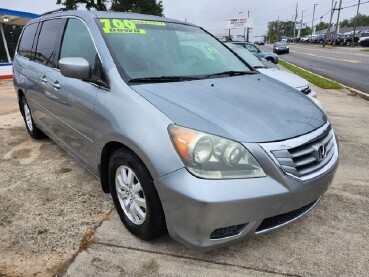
<point>47,42</point>
<point>26,42</point>
<point>77,42</point>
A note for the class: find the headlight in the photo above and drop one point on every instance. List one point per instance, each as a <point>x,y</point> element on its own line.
<point>212,157</point>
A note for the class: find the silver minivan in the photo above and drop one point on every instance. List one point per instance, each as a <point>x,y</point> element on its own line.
<point>185,135</point>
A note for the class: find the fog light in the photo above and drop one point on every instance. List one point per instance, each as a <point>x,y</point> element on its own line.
<point>227,231</point>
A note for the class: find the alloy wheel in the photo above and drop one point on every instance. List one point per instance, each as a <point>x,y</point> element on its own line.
<point>130,195</point>
<point>28,117</point>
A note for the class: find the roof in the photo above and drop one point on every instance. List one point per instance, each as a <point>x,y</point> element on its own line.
<point>12,17</point>
<point>109,14</point>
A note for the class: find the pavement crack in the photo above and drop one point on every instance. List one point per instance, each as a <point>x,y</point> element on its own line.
<point>199,260</point>
<point>84,243</point>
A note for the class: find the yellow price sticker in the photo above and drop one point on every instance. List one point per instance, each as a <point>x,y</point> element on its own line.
<point>212,50</point>
<point>148,22</point>
<point>125,26</point>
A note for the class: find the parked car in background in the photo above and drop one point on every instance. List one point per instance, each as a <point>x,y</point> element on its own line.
<point>274,72</point>
<point>348,41</point>
<point>320,38</point>
<point>281,47</point>
<point>257,52</point>
<point>199,144</point>
<point>260,42</point>
<point>338,39</point>
<point>305,39</point>
<point>364,40</point>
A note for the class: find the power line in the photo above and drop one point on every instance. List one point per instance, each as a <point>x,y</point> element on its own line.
<point>355,5</point>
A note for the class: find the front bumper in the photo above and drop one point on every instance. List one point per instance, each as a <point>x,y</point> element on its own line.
<point>196,208</point>
<point>281,51</point>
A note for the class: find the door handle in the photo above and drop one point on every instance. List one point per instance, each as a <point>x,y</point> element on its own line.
<point>56,85</point>
<point>43,79</point>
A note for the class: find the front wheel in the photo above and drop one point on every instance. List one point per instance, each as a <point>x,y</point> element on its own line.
<point>348,43</point>
<point>134,195</point>
<point>32,129</point>
<point>270,60</point>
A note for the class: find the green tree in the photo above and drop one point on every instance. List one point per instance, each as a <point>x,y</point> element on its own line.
<point>345,23</point>
<point>99,5</point>
<point>362,20</point>
<point>153,7</point>
<point>322,26</point>
<point>276,29</point>
<point>139,6</point>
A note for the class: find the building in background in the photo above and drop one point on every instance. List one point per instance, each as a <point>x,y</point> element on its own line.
<point>11,24</point>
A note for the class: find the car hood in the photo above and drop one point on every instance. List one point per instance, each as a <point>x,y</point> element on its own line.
<point>250,108</point>
<point>285,77</point>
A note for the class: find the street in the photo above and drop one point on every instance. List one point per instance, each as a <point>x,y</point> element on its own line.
<point>56,220</point>
<point>343,64</point>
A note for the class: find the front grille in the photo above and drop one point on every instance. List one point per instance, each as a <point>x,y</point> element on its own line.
<point>282,219</point>
<point>227,231</point>
<point>306,90</point>
<point>307,156</point>
<point>304,159</point>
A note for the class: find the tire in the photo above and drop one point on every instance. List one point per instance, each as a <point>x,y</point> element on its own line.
<point>134,195</point>
<point>348,43</point>
<point>31,127</point>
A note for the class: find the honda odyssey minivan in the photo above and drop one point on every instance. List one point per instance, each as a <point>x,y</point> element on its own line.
<point>196,143</point>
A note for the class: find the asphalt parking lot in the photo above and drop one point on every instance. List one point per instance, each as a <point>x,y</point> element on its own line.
<point>347,65</point>
<point>56,220</point>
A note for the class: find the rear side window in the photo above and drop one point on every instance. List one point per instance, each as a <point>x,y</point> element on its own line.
<point>47,41</point>
<point>26,42</point>
<point>77,42</point>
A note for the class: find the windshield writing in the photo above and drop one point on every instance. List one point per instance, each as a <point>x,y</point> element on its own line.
<point>146,49</point>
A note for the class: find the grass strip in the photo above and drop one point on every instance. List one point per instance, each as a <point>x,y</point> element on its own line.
<point>312,78</point>
<point>365,50</point>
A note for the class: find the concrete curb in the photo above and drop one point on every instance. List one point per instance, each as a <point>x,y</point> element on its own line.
<point>352,90</point>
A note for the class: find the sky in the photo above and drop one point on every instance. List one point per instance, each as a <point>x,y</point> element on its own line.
<point>212,14</point>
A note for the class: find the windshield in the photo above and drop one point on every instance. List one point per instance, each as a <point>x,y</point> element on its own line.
<point>282,43</point>
<point>247,56</point>
<point>152,49</point>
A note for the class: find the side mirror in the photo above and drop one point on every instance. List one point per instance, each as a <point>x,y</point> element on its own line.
<point>77,68</point>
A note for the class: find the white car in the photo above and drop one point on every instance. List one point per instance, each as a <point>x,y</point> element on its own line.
<point>274,72</point>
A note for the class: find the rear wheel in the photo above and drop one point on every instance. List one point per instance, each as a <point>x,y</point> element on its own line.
<point>32,129</point>
<point>134,195</point>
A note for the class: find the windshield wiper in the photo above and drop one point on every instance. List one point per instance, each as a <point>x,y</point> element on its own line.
<point>162,79</point>
<point>232,73</point>
<point>259,66</point>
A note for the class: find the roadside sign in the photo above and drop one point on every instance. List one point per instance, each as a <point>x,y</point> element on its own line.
<point>239,23</point>
<point>301,26</point>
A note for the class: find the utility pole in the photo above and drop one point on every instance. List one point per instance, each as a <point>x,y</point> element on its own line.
<point>330,21</point>
<point>312,24</point>
<point>248,29</point>
<point>294,29</point>
<point>338,20</point>
<point>357,15</point>
<point>302,22</point>
<point>278,28</point>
